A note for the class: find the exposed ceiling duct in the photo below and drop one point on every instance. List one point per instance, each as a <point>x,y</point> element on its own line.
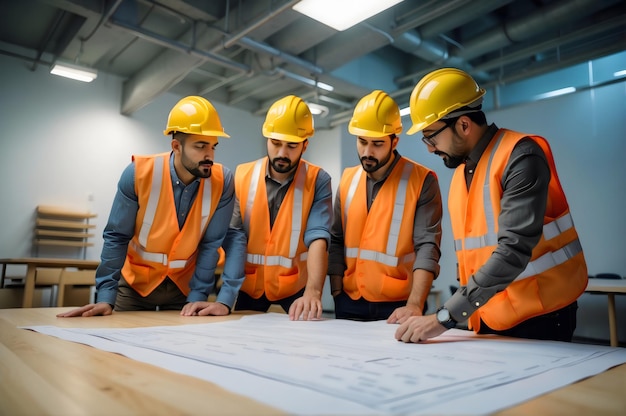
<point>248,53</point>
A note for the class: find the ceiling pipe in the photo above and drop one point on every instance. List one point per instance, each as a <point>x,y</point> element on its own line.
<point>232,39</point>
<point>59,16</point>
<point>529,26</point>
<point>522,29</point>
<point>607,25</point>
<point>265,48</point>
<point>179,46</point>
<point>424,41</point>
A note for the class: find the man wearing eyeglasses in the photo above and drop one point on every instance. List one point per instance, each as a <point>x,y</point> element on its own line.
<point>521,267</point>
<point>384,250</point>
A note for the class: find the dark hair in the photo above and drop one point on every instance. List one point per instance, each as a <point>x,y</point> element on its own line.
<point>180,136</point>
<point>477,117</point>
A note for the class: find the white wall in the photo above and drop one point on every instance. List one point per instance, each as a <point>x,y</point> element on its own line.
<point>64,141</point>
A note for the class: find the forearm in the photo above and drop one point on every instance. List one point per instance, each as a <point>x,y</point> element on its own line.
<point>422,282</point>
<point>235,246</point>
<point>317,264</point>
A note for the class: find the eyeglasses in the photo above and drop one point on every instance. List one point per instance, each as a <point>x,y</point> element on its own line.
<point>429,139</point>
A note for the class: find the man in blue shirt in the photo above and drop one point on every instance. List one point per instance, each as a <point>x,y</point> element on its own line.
<point>169,217</point>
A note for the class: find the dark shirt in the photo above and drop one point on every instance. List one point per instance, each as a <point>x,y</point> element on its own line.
<point>524,183</point>
<point>426,225</point>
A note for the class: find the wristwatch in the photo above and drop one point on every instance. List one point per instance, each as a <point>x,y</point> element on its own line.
<point>444,318</point>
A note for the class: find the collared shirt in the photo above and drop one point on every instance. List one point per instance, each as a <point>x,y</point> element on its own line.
<point>426,225</point>
<point>525,193</point>
<point>317,226</point>
<point>120,230</point>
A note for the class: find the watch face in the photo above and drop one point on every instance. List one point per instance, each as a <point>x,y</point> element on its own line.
<point>443,315</point>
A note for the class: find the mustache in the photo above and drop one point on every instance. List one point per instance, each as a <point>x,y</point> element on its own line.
<point>207,162</point>
<point>282,159</point>
<point>370,158</point>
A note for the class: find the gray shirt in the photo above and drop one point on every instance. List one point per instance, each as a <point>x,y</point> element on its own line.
<point>317,224</point>
<point>525,193</point>
<point>426,225</point>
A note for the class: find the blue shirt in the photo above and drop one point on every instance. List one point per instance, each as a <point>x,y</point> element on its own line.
<point>120,229</point>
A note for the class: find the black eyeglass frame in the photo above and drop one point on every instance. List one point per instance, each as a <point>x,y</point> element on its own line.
<point>428,140</point>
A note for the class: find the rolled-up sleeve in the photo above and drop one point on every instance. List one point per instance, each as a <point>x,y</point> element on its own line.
<point>318,223</point>
<point>336,258</point>
<point>427,226</point>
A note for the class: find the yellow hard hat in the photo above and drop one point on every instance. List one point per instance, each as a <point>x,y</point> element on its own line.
<point>194,115</point>
<point>438,94</point>
<point>289,119</point>
<point>376,115</point>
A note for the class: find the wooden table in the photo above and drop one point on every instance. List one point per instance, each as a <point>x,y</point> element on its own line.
<point>609,287</point>
<point>32,263</point>
<point>44,375</point>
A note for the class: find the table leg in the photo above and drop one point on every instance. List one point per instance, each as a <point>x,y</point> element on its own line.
<point>29,286</point>
<point>612,320</point>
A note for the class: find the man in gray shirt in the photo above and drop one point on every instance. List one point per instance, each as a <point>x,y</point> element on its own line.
<point>386,230</point>
<point>520,262</point>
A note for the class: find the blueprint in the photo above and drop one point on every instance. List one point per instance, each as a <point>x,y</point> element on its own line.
<point>354,367</point>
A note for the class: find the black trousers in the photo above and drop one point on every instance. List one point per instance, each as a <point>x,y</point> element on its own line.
<point>246,302</point>
<point>555,326</point>
<point>364,310</point>
<point>166,296</point>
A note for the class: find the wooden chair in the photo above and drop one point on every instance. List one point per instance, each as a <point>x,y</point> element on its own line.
<point>85,278</point>
<point>45,278</point>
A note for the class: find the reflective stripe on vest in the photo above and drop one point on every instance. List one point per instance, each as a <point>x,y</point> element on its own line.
<point>262,260</point>
<point>388,258</point>
<point>254,184</point>
<point>296,217</point>
<point>550,230</point>
<point>351,191</point>
<point>148,219</point>
<point>158,257</point>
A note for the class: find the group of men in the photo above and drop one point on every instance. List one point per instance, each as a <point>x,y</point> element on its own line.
<point>520,265</point>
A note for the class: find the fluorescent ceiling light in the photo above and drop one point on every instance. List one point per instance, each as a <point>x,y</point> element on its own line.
<point>405,111</point>
<point>342,14</point>
<point>72,71</point>
<point>556,93</point>
<point>324,86</point>
<point>318,109</point>
<point>620,73</point>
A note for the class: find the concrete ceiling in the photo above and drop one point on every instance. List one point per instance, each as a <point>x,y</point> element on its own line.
<point>248,53</point>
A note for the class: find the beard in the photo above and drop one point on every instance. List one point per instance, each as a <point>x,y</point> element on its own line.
<point>451,162</point>
<point>377,163</point>
<point>283,164</point>
<point>202,170</point>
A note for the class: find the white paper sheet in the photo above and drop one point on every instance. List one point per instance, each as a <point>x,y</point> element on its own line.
<point>347,367</point>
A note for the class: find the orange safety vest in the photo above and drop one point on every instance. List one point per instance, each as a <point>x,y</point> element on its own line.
<point>159,249</point>
<point>379,247</point>
<point>556,274</point>
<point>276,257</point>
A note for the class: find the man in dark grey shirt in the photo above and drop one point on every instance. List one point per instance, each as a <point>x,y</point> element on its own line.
<point>520,263</point>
